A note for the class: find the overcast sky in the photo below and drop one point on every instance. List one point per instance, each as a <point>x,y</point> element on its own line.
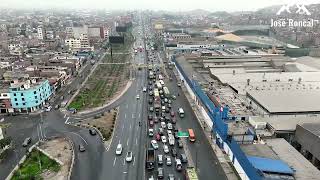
<point>177,5</point>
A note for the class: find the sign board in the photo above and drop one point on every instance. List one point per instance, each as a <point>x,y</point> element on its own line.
<point>183,134</point>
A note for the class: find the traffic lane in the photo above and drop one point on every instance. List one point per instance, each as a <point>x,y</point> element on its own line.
<point>123,131</point>
<point>20,128</point>
<point>207,160</point>
<point>88,163</point>
<point>140,132</point>
<point>128,135</point>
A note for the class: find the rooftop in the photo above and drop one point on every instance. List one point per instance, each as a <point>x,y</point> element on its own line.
<point>302,167</point>
<point>286,122</point>
<point>287,101</point>
<point>314,128</point>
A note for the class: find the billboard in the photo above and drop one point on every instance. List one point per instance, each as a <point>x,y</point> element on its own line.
<point>116,39</point>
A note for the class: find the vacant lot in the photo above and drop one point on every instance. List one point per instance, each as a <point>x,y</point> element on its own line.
<point>104,123</point>
<point>35,164</point>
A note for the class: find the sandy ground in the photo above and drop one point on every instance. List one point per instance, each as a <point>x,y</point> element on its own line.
<point>60,149</point>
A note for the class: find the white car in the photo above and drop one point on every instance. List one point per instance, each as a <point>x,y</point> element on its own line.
<point>168,161</point>
<point>154,144</point>
<point>119,149</point>
<point>150,132</point>
<point>169,125</point>
<point>144,89</point>
<point>129,156</point>
<point>169,132</point>
<point>163,139</point>
<point>47,109</point>
<point>163,125</point>
<point>165,148</point>
<point>138,96</point>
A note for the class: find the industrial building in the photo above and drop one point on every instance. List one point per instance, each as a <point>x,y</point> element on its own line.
<point>264,98</point>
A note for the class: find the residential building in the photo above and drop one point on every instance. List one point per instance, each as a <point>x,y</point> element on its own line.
<point>29,95</point>
<point>41,32</point>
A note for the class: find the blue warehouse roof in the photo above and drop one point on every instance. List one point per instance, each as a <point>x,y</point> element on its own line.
<point>270,165</point>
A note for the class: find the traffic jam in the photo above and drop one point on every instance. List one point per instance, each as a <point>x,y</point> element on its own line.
<point>165,157</point>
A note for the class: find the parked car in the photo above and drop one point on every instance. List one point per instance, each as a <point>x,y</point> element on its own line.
<point>151,109</point>
<point>173,120</point>
<point>171,177</point>
<point>172,114</point>
<point>150,132</point>
<point>169,125</point>
<point>161,131</point>
<point>150,117</point>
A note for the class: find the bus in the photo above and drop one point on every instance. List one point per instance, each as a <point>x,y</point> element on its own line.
<point>166,92</point>
<point>181,112</point>
<point>192,137</point>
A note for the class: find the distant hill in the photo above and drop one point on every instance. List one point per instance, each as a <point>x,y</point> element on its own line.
<point>220,14</point>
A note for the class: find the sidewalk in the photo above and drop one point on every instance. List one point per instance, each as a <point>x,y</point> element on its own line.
<point>223,158</point>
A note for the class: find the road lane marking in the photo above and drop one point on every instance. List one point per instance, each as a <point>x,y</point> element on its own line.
<point>119,141</point>
<point>128,142</point>
<point>127,106</point>
<point>125,116</point>
<point>64,115</point>
<point>125,172</point>
<point>139,115</point>
<point>80,137</point>
<point>130,126</point>
<point>114,162</point>
<point>66,122</point>
<point>136,141</point>
<point>133,160</point>
<point>132,115</point>
<point>124,161</point>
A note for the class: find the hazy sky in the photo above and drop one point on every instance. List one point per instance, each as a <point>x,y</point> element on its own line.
<point>179,5</point>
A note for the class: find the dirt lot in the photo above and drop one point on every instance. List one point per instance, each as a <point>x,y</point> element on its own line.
<point>105,124</point>
<point>61,150</point>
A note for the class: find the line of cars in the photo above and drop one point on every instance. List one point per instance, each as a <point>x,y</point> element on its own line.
<point>163,132</point>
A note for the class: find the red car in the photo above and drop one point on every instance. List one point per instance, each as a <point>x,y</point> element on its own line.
<point>158,137</point>
<point>173,120</point>
<point>151,123</point>
<point>172,113</point>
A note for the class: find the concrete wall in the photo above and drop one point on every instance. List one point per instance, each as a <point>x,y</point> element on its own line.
<point>308,141</point>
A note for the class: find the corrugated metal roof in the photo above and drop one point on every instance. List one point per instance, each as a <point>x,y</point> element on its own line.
<point>270,165</point>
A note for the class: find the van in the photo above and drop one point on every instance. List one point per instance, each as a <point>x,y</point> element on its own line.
<point>178,165</point>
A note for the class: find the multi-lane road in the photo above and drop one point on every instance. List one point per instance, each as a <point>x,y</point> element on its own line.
<point>99,162</point>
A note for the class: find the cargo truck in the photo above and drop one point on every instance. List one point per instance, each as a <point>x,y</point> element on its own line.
<point>150,159</point>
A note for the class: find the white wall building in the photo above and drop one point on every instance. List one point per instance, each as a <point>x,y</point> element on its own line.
<point>41,33</point>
